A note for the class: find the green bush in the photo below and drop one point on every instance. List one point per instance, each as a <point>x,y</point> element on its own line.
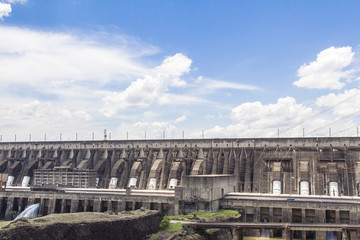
<point>164,223</point>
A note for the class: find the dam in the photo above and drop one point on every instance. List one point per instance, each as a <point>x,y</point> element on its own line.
<point>289,180</point>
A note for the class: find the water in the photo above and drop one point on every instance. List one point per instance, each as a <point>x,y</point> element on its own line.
<point>30,211</point>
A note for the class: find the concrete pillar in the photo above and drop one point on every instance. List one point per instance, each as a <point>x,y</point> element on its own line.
<point>134,203</point>
<point>320,235</point>
<point>86,203</point>
<point>320,215</point>
<point>271,213</point>
<point>51,208</point>
<point>345,235</point>
<point>42,206</point>
<point>63,206</point>
<point>97,205</point>
<point>74,204</point>
<point>353,215</point>
<point>109,206</point>
<point>8,212</point>
<point>146,205</point>
<point>31,201</point>
<point>354,235</point>
<point>337,216</point>
<point>235,234</point>
<point>287,215</point>
<point>122,205</point>
<point>287,234</point>
<point>256,214</point>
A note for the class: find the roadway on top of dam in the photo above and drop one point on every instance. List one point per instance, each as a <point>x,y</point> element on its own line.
<point>304,142</point>
<point>228,196</point>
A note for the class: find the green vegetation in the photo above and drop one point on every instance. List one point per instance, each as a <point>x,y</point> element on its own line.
<point>167,227</point>
<point>221,215</point>
<point>174,227</point>
<point>164,224</point>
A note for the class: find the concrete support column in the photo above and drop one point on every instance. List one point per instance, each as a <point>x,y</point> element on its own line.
<point>31,201</point>
<point>235,233</point>
<point>74,204</point>
<point>42,206</point>
<point>8,212</point>
<point>345,235</point>
<point>63,206</point>
<point>287,234</point>
<point>97,205</point>
<point>256,214</point>
<point>271,213</point>
<point>146,205</point>
<point>122,205</point>
<point>303,217</point>
<point>51,208</point>
<point>86,203</point>
<point>354,235</point>
<point>134,203</point>
<point>320,217</point>
<point>109,206</point>
<point>287,215</point>
<point>353,215</point>
<point>337,216</point>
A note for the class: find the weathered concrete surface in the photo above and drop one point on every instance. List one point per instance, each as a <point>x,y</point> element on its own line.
<point>86,226</point>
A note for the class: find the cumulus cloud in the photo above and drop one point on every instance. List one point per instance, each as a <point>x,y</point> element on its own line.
<point>255,119</point>
<point>42,117</point>
<point>154,130</point>
<point>327,71</point>
<point>342,104</point>
<point>51,59</point>
<point>285,112</point>
<point>145,91</point>
<point>5,10</point>
<point>180,119</point>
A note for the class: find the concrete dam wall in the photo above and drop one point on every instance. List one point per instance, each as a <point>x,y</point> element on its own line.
<point>318,166</point>
<point>280,179</point>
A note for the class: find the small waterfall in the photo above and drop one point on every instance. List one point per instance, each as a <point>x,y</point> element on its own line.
<point>30,211</point>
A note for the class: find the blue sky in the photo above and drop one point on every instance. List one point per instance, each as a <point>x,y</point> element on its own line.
<point>228,68</point>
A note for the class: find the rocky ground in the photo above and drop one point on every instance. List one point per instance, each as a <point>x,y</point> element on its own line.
<point>84,226</point>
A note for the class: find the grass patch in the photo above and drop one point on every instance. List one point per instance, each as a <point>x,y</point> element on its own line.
<point>187,218</point>
<point>153,236</point>
<point>221,215</point>
<point>174,227</point>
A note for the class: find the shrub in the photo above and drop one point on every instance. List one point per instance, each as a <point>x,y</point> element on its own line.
<point>164,223</point>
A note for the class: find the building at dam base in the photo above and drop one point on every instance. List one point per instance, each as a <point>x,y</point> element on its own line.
<point>296,180</point>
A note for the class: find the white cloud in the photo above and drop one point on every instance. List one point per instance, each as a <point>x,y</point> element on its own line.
<point>328,70</point>
<point>46,60</point>
<point>254,119</point>
<point>154,130</point>
<point>342,104</point>
<point>5,10</point>
<point>285,112</point>
<point>145,91</point>
<point>179,99</point>
<point>180,119</point>
<point>38,118</point>
<point>212,85</point>
<point>17,1</point>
